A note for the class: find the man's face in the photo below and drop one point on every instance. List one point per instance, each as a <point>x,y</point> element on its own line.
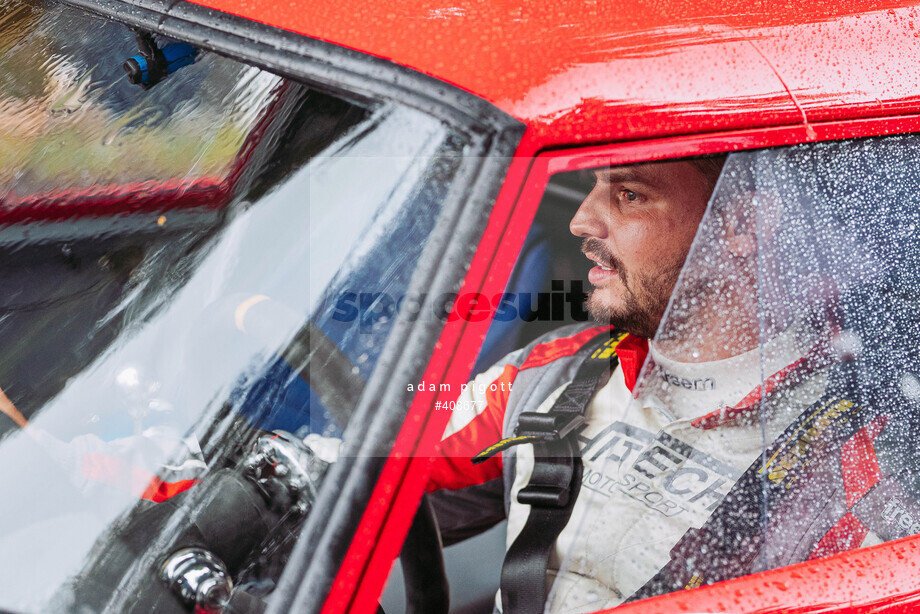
<point>638,223</point>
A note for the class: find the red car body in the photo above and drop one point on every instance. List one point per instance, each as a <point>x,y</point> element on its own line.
<point>601,84</point>
<point>597,84</point>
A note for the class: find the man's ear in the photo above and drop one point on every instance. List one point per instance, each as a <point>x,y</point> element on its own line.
<point>740,240</point>
<point>752,222</point>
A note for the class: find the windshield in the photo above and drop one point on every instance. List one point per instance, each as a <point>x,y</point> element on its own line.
<point>175,260</point>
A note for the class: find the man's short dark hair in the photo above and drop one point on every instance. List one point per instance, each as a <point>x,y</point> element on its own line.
<point>710,167</point>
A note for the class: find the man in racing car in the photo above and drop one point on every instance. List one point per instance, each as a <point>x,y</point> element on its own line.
<point>656,467</point>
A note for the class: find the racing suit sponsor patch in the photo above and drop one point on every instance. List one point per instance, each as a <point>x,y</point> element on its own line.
<point>660,471</point>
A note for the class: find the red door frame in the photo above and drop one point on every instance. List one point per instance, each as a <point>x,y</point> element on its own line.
<point>386,520</point>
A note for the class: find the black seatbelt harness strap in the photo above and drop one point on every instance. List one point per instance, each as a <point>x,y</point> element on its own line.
<point>556,478</point>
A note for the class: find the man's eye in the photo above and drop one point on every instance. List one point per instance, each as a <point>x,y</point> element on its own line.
<point>629,195</point>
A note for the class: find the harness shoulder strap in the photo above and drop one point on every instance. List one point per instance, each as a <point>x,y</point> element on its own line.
<point>556,478</point>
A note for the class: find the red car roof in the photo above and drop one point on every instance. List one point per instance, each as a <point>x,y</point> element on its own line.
<point>591,71</point>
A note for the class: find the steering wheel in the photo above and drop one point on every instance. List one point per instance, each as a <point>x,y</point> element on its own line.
<point>331,375</point>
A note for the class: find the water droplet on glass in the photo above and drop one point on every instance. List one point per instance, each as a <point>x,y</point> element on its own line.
<point>910,386</point>
<point>846,345</point>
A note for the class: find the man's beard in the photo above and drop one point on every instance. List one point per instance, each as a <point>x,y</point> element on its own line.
<point>644,301</point>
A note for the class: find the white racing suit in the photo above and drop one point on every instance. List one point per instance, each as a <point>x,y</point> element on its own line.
<point>659,465</point>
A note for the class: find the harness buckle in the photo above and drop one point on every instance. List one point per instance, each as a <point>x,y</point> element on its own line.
<point>550,426</point>
<point>542,495</point>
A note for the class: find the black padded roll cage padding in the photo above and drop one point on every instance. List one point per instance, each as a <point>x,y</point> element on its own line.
<point>358,77</point>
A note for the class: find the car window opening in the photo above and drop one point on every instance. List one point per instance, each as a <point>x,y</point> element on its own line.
<point>778,375</point>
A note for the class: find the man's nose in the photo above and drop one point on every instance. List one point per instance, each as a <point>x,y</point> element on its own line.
<point>589,220</point>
